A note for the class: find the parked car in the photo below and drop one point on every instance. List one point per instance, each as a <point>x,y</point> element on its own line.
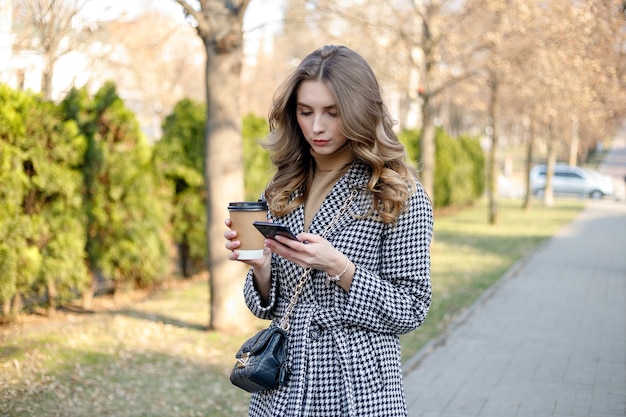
<point>571,180</point>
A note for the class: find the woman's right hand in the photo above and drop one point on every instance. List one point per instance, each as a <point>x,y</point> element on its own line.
<point>232,244</point>
<point>261,267</point>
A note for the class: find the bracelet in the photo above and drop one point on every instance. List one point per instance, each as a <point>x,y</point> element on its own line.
<point>330,278</point>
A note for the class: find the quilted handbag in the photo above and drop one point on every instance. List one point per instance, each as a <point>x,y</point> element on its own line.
<point>262,361</point>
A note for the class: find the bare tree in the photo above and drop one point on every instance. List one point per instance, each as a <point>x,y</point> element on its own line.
<point>552,70</point>
<point>398,38</point>
<point>553,64</point>
<point>499,23</point>
<point>219,23</point>
<point>154,68</point>
<point>442,56</point>
<point>50,27</point>
<point>572,81</point>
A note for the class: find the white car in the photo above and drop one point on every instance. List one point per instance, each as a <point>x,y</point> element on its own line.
<point>571,180</point>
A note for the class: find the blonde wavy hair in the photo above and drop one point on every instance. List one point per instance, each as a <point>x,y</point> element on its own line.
<point>365,122</point>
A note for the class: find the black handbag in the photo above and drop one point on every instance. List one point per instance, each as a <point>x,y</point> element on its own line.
<point>262,361</point>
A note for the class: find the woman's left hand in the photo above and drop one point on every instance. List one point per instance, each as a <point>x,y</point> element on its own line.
<point>310,251</point>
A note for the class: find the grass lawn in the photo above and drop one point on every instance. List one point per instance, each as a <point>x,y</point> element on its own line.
<point>154,358</point>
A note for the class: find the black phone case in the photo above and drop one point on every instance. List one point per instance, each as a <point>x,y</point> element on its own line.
<point>270,230</point>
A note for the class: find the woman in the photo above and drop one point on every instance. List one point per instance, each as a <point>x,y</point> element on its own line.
<point>332,143</point>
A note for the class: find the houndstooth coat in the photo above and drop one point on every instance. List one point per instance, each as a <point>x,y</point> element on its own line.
<point>344,350</point>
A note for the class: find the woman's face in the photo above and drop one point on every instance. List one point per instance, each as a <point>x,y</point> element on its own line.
<point>318,119</point>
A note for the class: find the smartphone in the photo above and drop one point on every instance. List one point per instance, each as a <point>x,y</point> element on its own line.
<point>271,230</point>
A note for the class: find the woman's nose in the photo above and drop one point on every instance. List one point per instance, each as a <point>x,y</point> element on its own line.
<point>318,125</point>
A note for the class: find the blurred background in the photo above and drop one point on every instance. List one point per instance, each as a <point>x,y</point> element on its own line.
<point>114,171</point>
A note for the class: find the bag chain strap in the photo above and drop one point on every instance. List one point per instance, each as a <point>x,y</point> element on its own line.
<point>284,322</point>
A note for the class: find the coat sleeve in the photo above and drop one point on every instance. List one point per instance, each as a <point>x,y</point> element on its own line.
<point>253,298</point>
<point>396,299</point>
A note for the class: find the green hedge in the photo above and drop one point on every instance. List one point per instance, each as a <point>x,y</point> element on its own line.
<point>459,167</point>
<point>79,198</point>
<point>42,224</point>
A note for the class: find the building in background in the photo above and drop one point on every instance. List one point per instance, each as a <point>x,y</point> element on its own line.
<point>6,39</point>
<point>154,58</point>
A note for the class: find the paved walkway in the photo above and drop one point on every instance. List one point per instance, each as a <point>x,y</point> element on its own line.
<point>549,340</point>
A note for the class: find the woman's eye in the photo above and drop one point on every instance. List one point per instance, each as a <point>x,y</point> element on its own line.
<point>305,113</point>
<point>332,114</point>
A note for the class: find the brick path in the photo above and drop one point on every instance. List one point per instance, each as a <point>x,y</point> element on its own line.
<point>549,340</point>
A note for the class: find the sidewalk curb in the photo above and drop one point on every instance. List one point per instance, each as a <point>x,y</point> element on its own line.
<point>464,315</point>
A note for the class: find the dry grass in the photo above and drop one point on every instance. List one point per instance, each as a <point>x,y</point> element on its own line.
<point>151,358</point>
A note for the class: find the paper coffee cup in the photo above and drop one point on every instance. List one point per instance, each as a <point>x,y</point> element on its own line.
<point>242,215</point>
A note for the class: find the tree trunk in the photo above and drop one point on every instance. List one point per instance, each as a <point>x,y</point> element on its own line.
<point>427,151</point>
<point>529,163</point>
<point>492,186</point>
<point>184,260</point>
<point>52,297</point>
<point>87,296</point>
<point>46,79</point>
<point>6,307</point>
<point>224,182</point>
<point>575,145</point>
<point>17,304</point>
<point>220,26</point>
<point>548,196</point>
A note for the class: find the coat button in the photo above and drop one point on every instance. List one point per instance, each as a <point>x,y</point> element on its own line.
<point>315,332</point>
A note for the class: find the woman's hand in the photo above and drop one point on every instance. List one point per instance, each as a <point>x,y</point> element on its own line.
<point>232,244</point>
<point>262,267</point>
<point>313,251</point>
<point>309,251</point>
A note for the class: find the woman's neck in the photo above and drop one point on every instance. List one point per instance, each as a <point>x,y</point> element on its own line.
<point>335,161</point>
